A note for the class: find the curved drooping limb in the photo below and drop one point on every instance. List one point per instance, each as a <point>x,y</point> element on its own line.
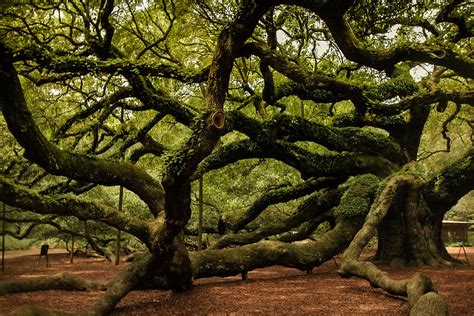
<point>40,150</point>
<point>66,205</point>
<point>313,207</point>
<point>353,48</point>
<point>419,289</point>
<point>279,195</point>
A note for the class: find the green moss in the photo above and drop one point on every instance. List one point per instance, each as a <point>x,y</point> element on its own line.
<point>358,196</point>
<point>344,119</point>
<point>401,84</point>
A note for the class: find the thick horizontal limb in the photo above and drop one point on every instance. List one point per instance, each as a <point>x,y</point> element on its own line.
<point>66,205</point>
<point>83,65</point>
<point>233,261</point>
<point>293,128</point>
<point>308,163</point>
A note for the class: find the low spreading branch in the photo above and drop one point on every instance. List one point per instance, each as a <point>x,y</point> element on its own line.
<point>65,205</point>
<point>418,288</point>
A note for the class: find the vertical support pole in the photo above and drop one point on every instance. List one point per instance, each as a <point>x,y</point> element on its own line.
<point>86,233</point>
<point>120,206</point>
<point>200,215</point>
<point>71,259</point>
<point>302,108</point>
<point>3,237</point>
<point>119,232</point>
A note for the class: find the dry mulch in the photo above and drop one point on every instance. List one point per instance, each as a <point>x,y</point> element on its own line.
<point>271,291</point>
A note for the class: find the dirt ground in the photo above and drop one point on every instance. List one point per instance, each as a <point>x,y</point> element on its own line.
<point>269,291</point>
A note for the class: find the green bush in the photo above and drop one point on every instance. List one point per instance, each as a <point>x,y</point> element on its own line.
<point>12,243</point>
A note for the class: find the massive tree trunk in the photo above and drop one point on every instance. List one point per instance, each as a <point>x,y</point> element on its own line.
<point>418,289</point>
<point>410,233</point>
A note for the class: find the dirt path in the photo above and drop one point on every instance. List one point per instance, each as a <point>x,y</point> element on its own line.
<point>269,291</point>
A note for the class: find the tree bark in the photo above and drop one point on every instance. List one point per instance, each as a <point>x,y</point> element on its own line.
<point>61,281</point>
<point>233,261</point>
<point>418,289</point>
<point>410,233</point>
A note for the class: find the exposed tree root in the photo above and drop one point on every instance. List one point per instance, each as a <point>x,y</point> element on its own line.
<point>120,286</point>
<point>61,281</point>
<point>123,283</point>
<point>418,289</point>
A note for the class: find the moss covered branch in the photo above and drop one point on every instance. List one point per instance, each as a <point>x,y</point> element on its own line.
<point>418,288</point>
<point>66,205</point>
<point>60,162</point>
<point>279,196</point>
<point>293,128</point>
<point>444,190</point>
<point>233,261</point>
<point>308,163</point>
<point>83,65</point>
<point>311,208</point>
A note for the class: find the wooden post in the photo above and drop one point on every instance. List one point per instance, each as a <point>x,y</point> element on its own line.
<point>86,233</point>
<point>3,237</point>
<point>119,232</point>
<point>120,206</point>
<point>200,215</point>
<point>71,259</point>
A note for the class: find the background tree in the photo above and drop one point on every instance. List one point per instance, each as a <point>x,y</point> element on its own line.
<point>295,113</point>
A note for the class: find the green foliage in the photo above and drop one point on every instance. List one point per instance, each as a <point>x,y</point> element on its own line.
<point>401,84</point>
<point>457,244</point>
<point>463,210</point>
<point>77,111</point>
<point>12,243</point>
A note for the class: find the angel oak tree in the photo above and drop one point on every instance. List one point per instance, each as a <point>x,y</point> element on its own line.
<point>339,93</point>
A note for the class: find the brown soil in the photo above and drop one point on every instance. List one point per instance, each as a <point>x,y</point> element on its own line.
<point>274,290</point>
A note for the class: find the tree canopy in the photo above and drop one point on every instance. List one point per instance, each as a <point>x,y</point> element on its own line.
<point>297,119</point>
